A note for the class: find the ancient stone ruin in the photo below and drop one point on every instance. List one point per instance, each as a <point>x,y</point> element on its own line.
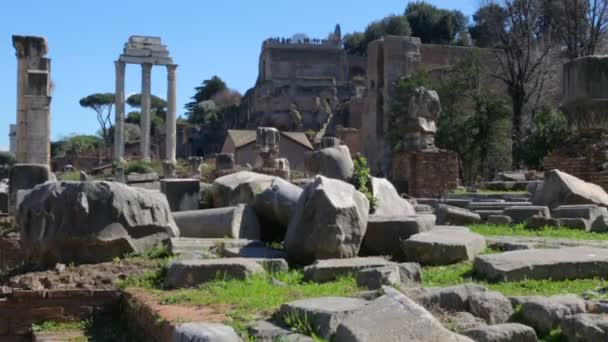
<point>33,100</point>
<point>194,258</point>
<point>146,51</point>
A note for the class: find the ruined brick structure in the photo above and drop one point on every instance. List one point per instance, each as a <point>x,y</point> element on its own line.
<point>585,99</point>
<point>425,173</point>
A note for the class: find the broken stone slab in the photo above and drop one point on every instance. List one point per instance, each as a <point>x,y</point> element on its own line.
<point>573,223</point>
<point>423,209</point>
<point>238,222</point>
<point>443,246</point>
<point>330,222</point>
<point>585,327</point>
<point>541,221</point>
<point>520,214</point>
<point>463,321</point>
<point>385,235</point>
<point>256,252</point>
<point>495,205</point>
<point>323,271</point>
<point>275,206</point>
<point>449,215</point>
<point>507,332</point>
<point>546,313</point>
<point>182,194</point>
<point>90,222</point>
<point>585,211</point>
<point>239,188</point>
<point>333,162</point>
<point>322,314</point>
<point>205,248</point>
<point>492,306</point>
<point>458,202</point>
<point>204,332</point>
<point>25,177</point>
<point>393,317</point>
<point>485,214</point>
<point>407,274</point>
<point>388,201</point>
<point>189,273</point>
<point>451,298</point>
<point>560,188</point>
<point>273,265</point>
<point>556,264</point>
<point>149,177</point>
<point>264,331</point>
<point>503,220</point>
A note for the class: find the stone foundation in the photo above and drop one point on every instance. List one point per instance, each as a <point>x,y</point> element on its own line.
<point>425,173</point>
<point>22,308</point>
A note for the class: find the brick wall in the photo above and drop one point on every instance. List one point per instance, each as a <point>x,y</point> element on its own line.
<point>425,173</point>
<point>582,157</point>
<point>578,166</point>
<point>11,254</point>
<point>21,308</point>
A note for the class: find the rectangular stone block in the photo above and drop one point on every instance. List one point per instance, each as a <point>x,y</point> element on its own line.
<point>557,264</point>
<point>520,214</point>
<point>238,222</point>
<point>182,194</point>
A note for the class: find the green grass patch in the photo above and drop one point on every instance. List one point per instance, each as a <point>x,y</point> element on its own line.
<point>441,276</point>
<point>58,326</point>
<point>243,301</point>
<point>545,232</point>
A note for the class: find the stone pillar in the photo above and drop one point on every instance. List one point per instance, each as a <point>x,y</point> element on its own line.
<point>170,121</point>
<point>12,135</point>
<point>119,104</point>
<point>33,100</point>
<point>146,85</point>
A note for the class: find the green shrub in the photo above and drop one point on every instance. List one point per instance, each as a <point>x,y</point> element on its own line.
<point>6,158</point>
<point>140,166</point>
<point>362,180</point>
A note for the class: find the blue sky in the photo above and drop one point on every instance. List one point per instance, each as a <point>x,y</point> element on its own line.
<point>204,37</point>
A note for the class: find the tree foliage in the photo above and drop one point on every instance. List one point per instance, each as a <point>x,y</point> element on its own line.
<point>474,122</point>
<point>204,92</point>
<point>550,130</point>
<point>434,25</point>
<point>394,25</point>
<point>7,158</point>
<point>488,26</point>
<point>102,104</point>
<point>580,24</point>
<point>75,144</point>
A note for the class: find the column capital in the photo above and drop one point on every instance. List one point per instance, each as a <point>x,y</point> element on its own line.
<point>171,71</point>
<point>146,67</point>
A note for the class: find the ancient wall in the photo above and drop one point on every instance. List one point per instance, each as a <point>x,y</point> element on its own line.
<point>291,61</point>
<point>289,149</point>
<point>425,173</point>
<point>583,157</point>
<point>351,138</point>
<point>22,308</point>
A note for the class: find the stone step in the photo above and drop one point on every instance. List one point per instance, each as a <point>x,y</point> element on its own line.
<point>556,264</point>
<point>194,246</point>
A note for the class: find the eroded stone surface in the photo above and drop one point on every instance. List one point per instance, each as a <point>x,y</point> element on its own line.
<point>556,264</point>
<point>330,269</point>
<point>188,273</point>
<point>443,246</point>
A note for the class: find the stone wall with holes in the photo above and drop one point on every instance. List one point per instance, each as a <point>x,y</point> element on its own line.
<point>425,173</point>
<point>20,309</point>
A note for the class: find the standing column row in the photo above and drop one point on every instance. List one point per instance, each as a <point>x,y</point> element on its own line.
<point>170,122</point>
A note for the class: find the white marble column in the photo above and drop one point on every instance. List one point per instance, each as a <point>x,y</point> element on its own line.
<point>146,84</point>
<point>170,121</point>
<point>21,153</point>
<point>119,112</point>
